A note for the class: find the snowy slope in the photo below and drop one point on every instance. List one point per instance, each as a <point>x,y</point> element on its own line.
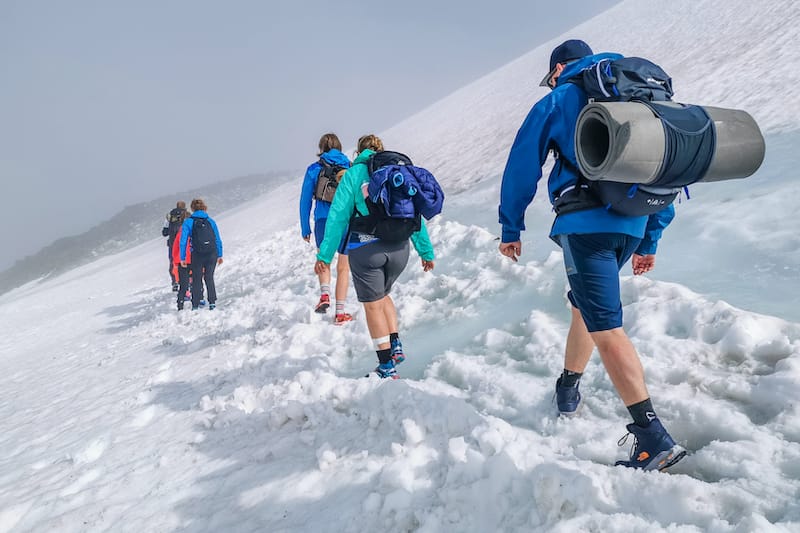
<point>119,414</point>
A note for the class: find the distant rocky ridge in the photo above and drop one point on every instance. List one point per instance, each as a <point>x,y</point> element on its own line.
<point>134,225</point>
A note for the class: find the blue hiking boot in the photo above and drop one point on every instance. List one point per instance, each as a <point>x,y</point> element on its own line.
<point>653,448</point>
<point>386,370</point>
<point>568,399</point>
<point>397,352</point>
<point>211,307</point>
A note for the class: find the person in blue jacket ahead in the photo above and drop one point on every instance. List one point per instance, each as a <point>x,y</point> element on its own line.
<point>206,252</point>
<point>330,151</point>
<point>596,244</point>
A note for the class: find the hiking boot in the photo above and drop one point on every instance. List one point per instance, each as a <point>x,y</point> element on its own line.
<point>341,318</point>
<point>568,399</point>
<point>386,370</point>
<point>397,352</point>
<point>323,304</point>
<point>211,307</point>
<point>202,303</point>
<point>180,307</point>
<point>653,448</point>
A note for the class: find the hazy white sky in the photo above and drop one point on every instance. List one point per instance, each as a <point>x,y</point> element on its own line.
<point>105,104</point>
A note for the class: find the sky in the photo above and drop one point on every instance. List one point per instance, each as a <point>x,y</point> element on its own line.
<point>107,104</point>
<point>119,413</point>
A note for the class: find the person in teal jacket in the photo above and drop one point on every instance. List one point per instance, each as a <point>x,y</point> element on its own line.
<point>596,244</point>
<point>330,152</point>
<point>375,264</point>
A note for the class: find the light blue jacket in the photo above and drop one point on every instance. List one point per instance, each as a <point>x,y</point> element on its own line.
<point>551,124</point>
<point>186,232</point>
<point>321,208</point>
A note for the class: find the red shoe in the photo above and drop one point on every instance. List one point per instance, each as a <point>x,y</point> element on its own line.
<point>323,304</point>
<point>341,318</point>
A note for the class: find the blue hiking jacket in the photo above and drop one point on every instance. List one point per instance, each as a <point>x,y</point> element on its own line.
<point>551,125</point>
<point>186,232</point>
<point>321,208</point>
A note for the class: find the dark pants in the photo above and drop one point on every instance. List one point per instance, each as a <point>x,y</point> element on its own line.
<point>171,264</point>
<point>183,277</point>
<point>203,266</point>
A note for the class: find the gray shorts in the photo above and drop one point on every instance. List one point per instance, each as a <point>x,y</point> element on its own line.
<point>376,266</point>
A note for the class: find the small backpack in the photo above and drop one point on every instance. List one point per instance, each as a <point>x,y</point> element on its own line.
<point>398,195</point>
<point>327,180</point>
<point>204,240</point>
<point>175,220</point>
<point>688,129</point>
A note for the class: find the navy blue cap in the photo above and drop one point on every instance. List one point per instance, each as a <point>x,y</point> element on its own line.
<point>569,51</point>
<point>564,53</point>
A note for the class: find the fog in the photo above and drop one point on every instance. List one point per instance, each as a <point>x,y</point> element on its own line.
<point>106,104</point>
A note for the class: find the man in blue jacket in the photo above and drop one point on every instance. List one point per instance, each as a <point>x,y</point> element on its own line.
<point>596,244</point>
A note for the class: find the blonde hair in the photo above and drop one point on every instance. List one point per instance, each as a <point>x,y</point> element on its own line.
<point>370,142</point>
<point>328,142</point>
<point>198,205</point>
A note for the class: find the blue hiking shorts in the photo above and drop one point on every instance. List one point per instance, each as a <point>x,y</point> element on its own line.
<point>593,262</point>
<point>319,234</point>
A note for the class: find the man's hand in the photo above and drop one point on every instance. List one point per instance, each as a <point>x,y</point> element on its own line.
<point>643,263</point>
<point>183,264</point>
<point>321,266</point>
<point>219,260</point>
<point>307,238</point>
<point>511,249</point>
<point>427,266</point>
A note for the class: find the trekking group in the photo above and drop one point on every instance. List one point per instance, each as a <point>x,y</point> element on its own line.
<point>194,249</point>
<point>367,213</point>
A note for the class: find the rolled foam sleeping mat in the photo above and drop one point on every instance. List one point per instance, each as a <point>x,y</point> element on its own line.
<point>627,142</point>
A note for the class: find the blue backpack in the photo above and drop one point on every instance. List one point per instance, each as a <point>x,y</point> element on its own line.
<point>398,194</point>
<point>689,132</point>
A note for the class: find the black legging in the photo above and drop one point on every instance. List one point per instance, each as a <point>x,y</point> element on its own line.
<point>171,265</point>
<point>203,266</point>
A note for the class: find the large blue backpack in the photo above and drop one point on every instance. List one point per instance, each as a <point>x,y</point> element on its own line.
<point>398,194</point>
<point>689,132</point>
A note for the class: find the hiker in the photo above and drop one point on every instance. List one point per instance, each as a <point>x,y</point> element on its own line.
<point>596,244</point>
<point>181,271</point>
<point>319,185</point>
<point>206,252</point>
<point>172,223</point>
<point>375,263</point>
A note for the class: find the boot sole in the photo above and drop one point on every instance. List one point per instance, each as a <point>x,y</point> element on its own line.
<point>666,459</point>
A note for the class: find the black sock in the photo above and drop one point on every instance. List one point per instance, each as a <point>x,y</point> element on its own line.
<point>570,378</point>
<point>642,413</point>
<point>384,356</point>
<point>394,337</point>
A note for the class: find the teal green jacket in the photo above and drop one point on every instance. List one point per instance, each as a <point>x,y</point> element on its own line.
<point>349,198</point>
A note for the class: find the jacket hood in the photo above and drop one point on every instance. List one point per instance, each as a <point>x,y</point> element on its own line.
<point>336,157</point>
<point>363,156</point>
<point>574,68</point>
<point>199,214</point>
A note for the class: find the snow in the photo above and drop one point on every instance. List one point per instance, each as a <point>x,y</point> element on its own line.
<point>119,414</point>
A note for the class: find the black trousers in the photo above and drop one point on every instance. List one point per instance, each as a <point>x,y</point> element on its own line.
<point>183,277</point>
<point>171,264</point>
<point>203,266</point>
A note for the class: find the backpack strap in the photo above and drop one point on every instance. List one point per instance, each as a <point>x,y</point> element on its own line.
<point>577,197</point>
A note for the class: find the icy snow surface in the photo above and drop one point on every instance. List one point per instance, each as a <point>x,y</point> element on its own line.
<point>119,414</point>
